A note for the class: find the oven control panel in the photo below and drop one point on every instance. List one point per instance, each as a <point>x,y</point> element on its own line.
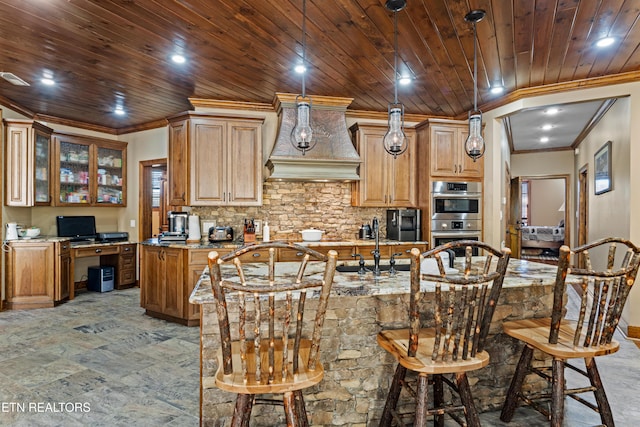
<point>456,225</point>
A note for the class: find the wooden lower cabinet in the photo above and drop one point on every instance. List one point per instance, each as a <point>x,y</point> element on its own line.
<point>38,274</point>
<point>124,262</point>
<point>167,279</point>
<point>64,275</point>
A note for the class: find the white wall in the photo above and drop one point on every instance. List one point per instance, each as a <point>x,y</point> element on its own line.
<point>603,220</point>
<point>146,145</point>
<point>546,197</point>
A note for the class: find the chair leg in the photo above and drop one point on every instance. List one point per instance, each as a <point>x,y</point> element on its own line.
<point>422,395</point>
<point>294,411</point>
<point>438,399</point>
<point>471,414</point>
<point>392,397</point>
<point>300,408</point>
<point>557,393</point>
<point>522,369</point>
<point>242,410</point>
<point>606,416</point>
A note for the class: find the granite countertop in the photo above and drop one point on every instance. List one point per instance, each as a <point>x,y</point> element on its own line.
<point>520,273</point>
<point>205,244</point>
<point>80,244</point>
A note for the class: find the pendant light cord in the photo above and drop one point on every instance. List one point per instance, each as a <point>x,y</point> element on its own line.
<point>395,57</point>
<point>304,44</point>
<point>475,69</point>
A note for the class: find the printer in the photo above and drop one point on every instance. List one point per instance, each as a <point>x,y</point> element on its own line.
<point>113,236</point>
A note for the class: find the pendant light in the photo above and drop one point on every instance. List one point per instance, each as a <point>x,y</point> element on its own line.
<point>474,146</point>
<point>395,141</point>
<point>302,133</point>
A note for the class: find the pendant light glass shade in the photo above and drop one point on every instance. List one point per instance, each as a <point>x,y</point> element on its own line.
<point>395,141</point>
<point>302,133</point>
<point>474,145</point>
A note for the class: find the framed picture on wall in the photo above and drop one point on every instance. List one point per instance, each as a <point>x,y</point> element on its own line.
<point>602,162</point>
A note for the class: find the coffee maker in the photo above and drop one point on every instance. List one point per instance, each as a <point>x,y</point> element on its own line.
<point>178,227</point>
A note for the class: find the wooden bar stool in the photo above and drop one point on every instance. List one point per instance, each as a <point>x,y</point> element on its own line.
<point>270,347</point>
<point>464,303</point>
<point>603,295</point>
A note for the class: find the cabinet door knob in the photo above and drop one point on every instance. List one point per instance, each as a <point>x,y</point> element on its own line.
<point>127,249</point>
<point>98,251</point>
<point>256,255</point>
<point>299,253</point>
<point>64,246</point>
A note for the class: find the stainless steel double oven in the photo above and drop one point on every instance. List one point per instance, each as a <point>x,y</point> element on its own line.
<point>456,212</point>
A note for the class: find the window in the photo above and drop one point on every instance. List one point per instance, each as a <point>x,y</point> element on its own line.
<point>156,184</point>
<point>525,202</point>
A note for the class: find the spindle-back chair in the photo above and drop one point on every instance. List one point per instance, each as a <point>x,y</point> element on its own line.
<point>268,345</point>
<point>459,315</point>
<point>603,292</point>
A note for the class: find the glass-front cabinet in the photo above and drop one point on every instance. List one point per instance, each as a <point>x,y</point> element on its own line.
<point>42,182</point>
<point>109,178</point>
<point>27,163</point>
<point>90,171</point>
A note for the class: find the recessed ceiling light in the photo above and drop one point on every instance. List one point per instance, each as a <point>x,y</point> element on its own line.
<point>546,127</point>
<point>544,139</point>
<point>497,89</point>
<point>119,111</point>
<point>551,110</point>
<point>604,42</point>
<point>178,59</point>
<point>405,80</point>
<point>300,69</point>
<point>47,81</point>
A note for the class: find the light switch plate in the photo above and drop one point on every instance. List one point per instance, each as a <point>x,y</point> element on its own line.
<point>258,224</point>
<point>205,225</point>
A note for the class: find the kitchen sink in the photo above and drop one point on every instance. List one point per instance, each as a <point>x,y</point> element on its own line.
<point>383,267</point>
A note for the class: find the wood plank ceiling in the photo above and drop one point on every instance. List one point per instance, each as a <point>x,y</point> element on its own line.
<point>104,52</point>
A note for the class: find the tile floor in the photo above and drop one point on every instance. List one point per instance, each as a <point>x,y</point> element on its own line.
<point>99,361</point>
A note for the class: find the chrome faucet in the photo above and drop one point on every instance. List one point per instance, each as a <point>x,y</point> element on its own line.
<point>376,252</point>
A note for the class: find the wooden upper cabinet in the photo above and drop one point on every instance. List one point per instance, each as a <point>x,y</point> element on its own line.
<point>178,162</point>
<point>385,181</point>
<point>446,139</point>
<point>89,171</point>
<point>27,163</point>
<point>223,163</point>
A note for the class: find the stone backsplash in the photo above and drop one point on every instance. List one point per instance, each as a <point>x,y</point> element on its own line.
<point>290,207</point>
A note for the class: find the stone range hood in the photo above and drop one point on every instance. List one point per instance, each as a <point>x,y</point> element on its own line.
<point>334,158</point>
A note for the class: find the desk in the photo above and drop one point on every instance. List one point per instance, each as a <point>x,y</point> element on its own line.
<point>120,255</point>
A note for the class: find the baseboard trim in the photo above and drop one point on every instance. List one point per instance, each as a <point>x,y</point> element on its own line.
<point>633,331</point>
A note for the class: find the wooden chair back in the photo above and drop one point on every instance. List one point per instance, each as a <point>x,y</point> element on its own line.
<point>464,300</point>
<point>267,303</point>
<point>604,290</point>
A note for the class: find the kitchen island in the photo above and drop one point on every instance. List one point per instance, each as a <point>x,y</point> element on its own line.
<point>357,371</point>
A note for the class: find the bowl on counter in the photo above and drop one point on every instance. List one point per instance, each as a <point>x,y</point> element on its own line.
<point>30,232</point>
<point>311,235</point>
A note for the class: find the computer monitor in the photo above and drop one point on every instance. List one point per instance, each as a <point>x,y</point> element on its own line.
<point>76,227</point>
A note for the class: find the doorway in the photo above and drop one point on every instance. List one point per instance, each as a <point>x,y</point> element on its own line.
<point>539,217</point>
<point>153,199</point>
